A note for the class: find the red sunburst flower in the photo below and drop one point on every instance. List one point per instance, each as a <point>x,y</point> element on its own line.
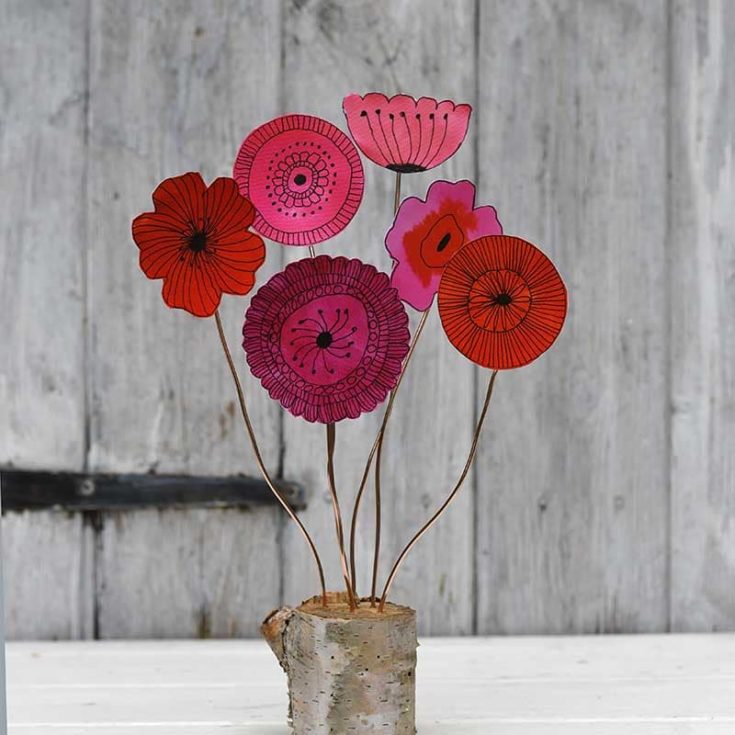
<point>501,302</point>
<point>197,241</point>
<point>404,134</point>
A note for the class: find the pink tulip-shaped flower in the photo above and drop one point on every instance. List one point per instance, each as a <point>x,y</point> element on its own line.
<point>426,234</point>
<point>404,134</point>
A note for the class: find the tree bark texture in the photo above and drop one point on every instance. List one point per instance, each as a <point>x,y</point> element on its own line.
<point>349,673</point>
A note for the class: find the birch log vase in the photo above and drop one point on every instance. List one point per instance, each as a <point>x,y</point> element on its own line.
<point>348,672</point>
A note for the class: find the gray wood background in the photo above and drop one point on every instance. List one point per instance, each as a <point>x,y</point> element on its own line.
<point>603,499</point>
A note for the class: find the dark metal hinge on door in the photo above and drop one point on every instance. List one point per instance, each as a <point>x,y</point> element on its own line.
<point>78,491</point>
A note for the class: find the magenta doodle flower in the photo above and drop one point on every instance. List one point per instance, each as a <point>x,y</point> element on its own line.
<point>304,177</point>
<point>427,233</point>
<point>327,337</point>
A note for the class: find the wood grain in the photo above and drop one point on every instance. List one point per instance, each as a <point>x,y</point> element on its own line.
<point>48,568</point>
<point>3,689</point>
<point>42,294</point>
<point>572,487</point>
<point>702,269</point>
<point>186,574</point>
<point>332,49</point>
<point>173,89</point>
<point>162,396</point>
<point>42,227</point>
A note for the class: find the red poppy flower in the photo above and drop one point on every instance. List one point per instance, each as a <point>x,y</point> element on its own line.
<point>327,337</point>
<point>426,234</point>
<point>501,301</point>
<point>404,134</point>
<point>304,177</point>
<point>197,241</point>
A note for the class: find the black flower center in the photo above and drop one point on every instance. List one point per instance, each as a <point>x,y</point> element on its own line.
<point>324,340</point>
<point>198,242</point>
<point>444,242</point>
<point>315,339</point>
<point>502,299</point>
<point>405,168</point>
<point>299,179</point>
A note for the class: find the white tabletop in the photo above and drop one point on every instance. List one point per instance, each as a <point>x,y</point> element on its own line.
<point>637,685</point>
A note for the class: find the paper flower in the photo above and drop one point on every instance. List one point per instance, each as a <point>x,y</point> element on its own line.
<point>427,233</point>
<point>501,301</point>
<point>404,134</point>
<point>327,337</point>
<point>304,177</point>
<point>197,241</point>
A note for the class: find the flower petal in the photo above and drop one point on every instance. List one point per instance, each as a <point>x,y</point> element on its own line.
<point>451,131</point>
<point>365,125</point>
<point>225,209</point>
<point>181,198</point>
<point>159,242</point>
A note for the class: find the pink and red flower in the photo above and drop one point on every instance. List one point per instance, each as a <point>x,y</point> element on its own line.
<point>404,134</point>
<point>327,338</point>
<point>427,233</point>
<point>304,177</point>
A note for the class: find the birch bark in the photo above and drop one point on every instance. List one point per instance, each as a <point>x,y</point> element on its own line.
<point>347,672</point>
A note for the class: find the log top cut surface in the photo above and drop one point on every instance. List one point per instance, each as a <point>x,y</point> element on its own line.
<point>339,608</point>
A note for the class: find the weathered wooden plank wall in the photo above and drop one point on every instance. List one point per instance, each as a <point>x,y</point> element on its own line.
<point>172,89</point>
<point>702,328</point>
<point>572,488</point>
<point>605,489</point>
<point>43,97</point>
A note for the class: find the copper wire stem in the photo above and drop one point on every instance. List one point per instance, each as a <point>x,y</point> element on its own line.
<point>259,458</point>
<point>377,446</point>
<point>376,549</point>
<point>378,439</point>
<point>379,453</point>
<point>331,439</point>
<point>397,193</point>
<point>452,495</point>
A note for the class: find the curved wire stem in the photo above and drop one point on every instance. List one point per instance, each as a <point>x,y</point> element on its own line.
<point>331,440</point>
<point>379,452</point>
<point>259,458</point>
<point>378,514</point>
<point>378,464</point>
<point>378,439</point>
<point>452,495</point>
